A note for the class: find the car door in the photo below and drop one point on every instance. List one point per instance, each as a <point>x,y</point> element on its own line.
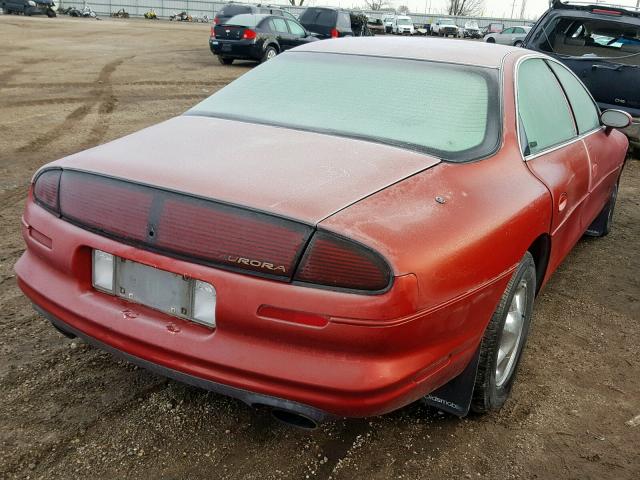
<point>504,37</point>
<point>298,33</point>
<point>279,27</point>
<point>518,34</point>
<point>553,151</point>
<point>605,168</point>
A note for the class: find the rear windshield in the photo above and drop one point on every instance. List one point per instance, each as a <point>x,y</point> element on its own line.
<point>249,20</point>
<point>231,10</point>
<point>319,16</point>
<point>590,38</point>
<point>446,110</point>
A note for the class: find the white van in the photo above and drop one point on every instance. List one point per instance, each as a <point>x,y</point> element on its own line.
<point>402,25</point>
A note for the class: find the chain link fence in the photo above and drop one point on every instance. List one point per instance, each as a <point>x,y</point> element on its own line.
<point>166,8</point>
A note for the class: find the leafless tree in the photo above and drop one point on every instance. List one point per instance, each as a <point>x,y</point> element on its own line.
<point>465,7</point>
<point>376,4</point>
<point>293,2</point>
<point>402,10</point>
<point>523,8</point>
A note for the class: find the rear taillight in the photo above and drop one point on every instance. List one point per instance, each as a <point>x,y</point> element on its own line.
<point>248,34</point>
<point>216,20</point>
<point>106,205</point>
<point>337,262</point>
<point>334,33</point>
<point>230,236</point>
<point>46,188</point>
<point>213,32</point>
<point>180,225</point>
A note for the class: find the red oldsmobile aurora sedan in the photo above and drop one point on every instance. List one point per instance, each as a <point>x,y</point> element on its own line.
<point>296,250</point>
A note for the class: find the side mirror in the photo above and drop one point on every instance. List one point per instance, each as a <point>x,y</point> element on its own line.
<point>615,119</point>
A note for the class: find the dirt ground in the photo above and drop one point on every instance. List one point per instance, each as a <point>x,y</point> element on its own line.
<point>71,411</point>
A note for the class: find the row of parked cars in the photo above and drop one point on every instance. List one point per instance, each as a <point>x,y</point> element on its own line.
<point>260,32</point>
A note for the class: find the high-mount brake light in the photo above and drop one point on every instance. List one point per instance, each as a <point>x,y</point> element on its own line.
<point>46,187</point>
<point>249,34</point>
<point>603,11</point>
<point>336,262</point>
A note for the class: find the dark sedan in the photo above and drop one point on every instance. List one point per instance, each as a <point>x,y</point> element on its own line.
<point>256,37</point>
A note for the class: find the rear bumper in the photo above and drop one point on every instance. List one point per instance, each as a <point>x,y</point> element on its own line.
<point>375,354</point>
<point>236,49</point>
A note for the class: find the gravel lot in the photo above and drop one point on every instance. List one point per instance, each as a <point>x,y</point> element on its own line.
<point>70,411</point>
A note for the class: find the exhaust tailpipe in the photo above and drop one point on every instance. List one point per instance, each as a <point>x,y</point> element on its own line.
<point>294,419</point>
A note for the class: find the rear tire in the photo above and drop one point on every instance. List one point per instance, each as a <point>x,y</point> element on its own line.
<point>601,226</point>
<point>491,40</point>
<point>51,13</point>
<point>504,340</point>
<point>225,60</point>
<point>269,53</point>
<point>518,43</point>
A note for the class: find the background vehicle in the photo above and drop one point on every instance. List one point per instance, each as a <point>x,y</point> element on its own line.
<point>327,22</point>
<point>232,9</point>
<point>444,28</point>
<point>471,30</point>
<point>492,28</point>
<point>29,7</point>
<point>256,37</point>
<point>601,44</point>
<point>387,22</point>
<point>509,36</point>
<point>402,25</point>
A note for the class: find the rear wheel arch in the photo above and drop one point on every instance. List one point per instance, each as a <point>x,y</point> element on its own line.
<point>540,250</point>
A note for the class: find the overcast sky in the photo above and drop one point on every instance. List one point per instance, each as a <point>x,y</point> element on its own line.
<point>493,8</point>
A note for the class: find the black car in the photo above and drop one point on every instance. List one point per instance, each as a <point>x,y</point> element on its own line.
<point>232,9</point>
<point>327,22</point>
<point>28,7</point>
<point>601,44</point>
<point>256,37</point>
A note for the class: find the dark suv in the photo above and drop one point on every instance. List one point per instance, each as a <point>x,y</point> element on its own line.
<point>601,44</point>
<point>327,22</point>
<point>232,9</point>
<point>26,7</point>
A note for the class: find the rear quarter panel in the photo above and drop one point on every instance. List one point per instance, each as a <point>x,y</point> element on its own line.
<point>493,211</point>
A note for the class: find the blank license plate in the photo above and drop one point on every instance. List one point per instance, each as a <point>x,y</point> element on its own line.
<point>158,289</point>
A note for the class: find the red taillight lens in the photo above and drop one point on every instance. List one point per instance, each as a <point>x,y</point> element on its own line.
<point>249,34</point>
<point>237,238</point>
<point>183,226</point>
<point>337,262</point>
<point>213,32</point>
<point>106,205</point>
<point>46,187</point>
<point>216,20</point>
<point>334,33</point>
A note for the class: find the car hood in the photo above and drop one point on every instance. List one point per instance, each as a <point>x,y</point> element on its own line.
<point>302,175</point>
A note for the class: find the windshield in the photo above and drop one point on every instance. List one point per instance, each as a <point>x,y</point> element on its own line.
<point>471,25</point>
<point>404,21</point>
<point>447,110</point>
<point>591,38</point>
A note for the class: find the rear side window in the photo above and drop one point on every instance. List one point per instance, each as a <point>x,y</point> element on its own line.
<point>542,107</point>
<point>344,21</point>
<point>585,111</point>
<point>296,29</point>
<point>279,25</point>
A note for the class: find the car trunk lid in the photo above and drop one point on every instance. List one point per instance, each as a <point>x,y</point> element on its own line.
<point>295,174</point>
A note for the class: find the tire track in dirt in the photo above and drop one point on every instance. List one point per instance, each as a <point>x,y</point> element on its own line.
<point>103,95</point>
<point>7,75</point>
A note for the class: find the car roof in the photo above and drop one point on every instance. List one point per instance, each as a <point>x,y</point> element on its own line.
<point>440,50</point>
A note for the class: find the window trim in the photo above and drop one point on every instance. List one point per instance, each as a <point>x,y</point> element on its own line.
<point>520,128</point>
